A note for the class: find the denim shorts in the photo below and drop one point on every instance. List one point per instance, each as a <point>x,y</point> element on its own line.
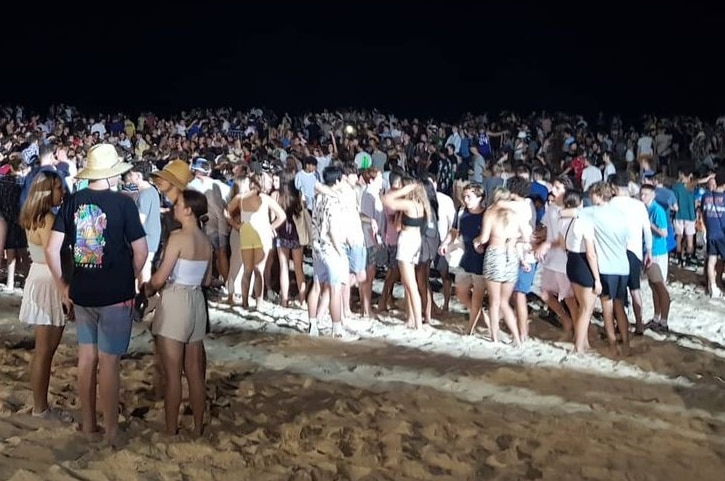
<point>330,269</point>
<point>525,281</point>
<point>357,258</point>
<point>108,327</point>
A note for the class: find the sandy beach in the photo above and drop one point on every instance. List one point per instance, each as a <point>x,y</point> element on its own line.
<point>393,405</point>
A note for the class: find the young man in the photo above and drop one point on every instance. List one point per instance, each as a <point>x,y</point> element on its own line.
<point>639,241</point>
<point>109,245</point>
<point>329,259</point>
<point>713,209</point>
<point>555,285</point>
<point>657,272</point>
<point>148,202</point>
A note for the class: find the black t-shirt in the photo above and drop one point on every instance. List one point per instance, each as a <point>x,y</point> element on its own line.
<point>100,225</point>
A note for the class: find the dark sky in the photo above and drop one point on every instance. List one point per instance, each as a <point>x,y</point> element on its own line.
<point>436,61</point>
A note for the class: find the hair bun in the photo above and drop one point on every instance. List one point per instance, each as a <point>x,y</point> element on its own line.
<point>204,218</point>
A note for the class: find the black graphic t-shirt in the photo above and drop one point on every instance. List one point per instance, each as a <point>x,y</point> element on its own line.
<point>100,225</point>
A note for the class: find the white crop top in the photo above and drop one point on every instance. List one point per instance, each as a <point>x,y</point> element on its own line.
<point>189,273</point>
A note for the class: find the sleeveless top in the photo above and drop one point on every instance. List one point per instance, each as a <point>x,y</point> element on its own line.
<point>189,272</point>
<point>37,253</point>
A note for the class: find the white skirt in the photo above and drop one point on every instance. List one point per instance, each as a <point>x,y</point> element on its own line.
<point>41,304</point>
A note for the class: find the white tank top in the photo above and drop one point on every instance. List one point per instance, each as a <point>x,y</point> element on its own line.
<point>188,272</point>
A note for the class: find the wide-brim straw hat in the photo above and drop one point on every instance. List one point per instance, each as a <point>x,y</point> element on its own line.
<point>103,162</point>
<point>176,173</point>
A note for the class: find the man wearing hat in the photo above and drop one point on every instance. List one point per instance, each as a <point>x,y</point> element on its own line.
<point>109,250</point>
<point>217,227</point>
<point>171,182</point>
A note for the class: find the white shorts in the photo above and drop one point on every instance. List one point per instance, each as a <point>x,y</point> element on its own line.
<point>664,262</point>
<point>686,227</point>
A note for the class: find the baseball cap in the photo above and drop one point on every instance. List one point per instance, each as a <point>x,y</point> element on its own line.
<point>200,165</point>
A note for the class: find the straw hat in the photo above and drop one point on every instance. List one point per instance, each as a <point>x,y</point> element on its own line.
<point>176,173</point>
<point>103,162</point>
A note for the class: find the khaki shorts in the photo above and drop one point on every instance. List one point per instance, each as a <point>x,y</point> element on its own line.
<point>466,280</point>
<point>686,227</point>
<point>181,314</point>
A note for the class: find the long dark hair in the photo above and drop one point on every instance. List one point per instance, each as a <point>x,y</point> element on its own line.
<point>289,198</point>
<point>431,194</point>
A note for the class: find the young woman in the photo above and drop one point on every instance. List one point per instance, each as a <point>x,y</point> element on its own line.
<point>288,241</point>
<point>581,267</point>
<point>234,281</point>
<point>501,262</point>
<point>41,305</point>
<point>470,284</point>
<point>180,321</point>
<point>13,240</point>
<point>373,223</point>
<point>411,200</point>
<point>256,234</point>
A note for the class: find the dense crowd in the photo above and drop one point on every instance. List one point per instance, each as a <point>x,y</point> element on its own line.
<point>113,213</point>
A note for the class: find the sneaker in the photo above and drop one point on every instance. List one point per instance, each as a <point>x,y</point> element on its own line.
<point>51,414</point>
<point>313,330</point>
<point>660,328</point>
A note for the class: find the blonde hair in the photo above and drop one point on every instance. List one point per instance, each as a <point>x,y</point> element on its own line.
<point>40,200</point>
<point>419,195</point>
<point>501,193</point>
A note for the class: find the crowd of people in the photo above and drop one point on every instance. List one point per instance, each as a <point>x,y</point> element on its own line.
<point>108,214</point>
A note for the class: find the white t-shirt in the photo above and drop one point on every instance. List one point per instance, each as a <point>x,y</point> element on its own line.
<point>351,207</point>
<point>610,237</point>
<point>609,170</point>
<point>645,145</point>
<point>634,214</point>
<point>526,215</point>
<point>446,214</point>
<point>590,176</point>
<point>576,231</point>
<point>555,259</point>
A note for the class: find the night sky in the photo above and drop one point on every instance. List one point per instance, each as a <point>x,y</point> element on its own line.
<point>439,60</point>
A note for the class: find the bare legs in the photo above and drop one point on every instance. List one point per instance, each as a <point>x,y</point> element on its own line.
<point>254,261</point>
<point>190,360</point>
<point>499,297</point>
<point>103,370</point>
<point>585,298</point>
<point>47,339</point>
<point>407,276</point>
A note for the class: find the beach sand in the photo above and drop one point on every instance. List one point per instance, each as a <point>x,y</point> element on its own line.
<point>393,405</point>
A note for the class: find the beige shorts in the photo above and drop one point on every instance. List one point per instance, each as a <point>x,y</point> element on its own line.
<point>181,314</point>
<point>466,281</point>
<point>556,283</point>
<point>686,227</point>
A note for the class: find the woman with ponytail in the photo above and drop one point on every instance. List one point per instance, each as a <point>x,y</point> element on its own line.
<point>180,321</point>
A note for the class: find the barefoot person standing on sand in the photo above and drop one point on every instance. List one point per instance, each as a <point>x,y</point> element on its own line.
<point>180,322</point>
<point>109,250</point>
<point>42,306</point>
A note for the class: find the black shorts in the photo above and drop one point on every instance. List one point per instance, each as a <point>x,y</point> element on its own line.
<point>614,286</point>
<point>716,247</point>
<point>635,269</point>
<point>577,269</point>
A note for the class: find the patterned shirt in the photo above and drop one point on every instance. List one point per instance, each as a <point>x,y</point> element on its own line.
<point>328,208</point>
